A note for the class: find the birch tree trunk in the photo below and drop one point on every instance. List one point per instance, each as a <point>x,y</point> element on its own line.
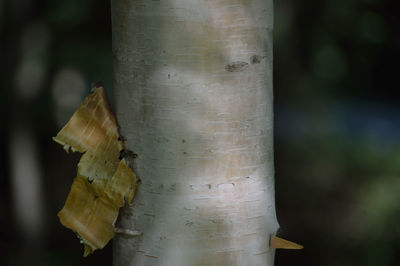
<point>193,94</point>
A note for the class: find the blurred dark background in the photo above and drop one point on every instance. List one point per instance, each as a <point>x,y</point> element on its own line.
<point>337,127</point>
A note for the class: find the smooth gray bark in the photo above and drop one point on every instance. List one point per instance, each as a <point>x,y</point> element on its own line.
<point>193,96</point>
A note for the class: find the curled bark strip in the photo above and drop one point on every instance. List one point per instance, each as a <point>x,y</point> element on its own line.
<point>103,183</point>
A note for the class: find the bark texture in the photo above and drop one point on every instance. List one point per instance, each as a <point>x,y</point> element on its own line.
<point>193,94</point>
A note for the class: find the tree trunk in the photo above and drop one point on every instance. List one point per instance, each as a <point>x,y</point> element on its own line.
<point>193,96</point>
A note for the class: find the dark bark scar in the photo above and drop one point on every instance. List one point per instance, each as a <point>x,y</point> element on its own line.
<point>127,154</point>
<point>256,59</point>
<point>121,138</point>
<point>129,157</point>
<point>236,66</point>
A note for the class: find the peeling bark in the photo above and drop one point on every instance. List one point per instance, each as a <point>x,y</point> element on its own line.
<point>103,183</point>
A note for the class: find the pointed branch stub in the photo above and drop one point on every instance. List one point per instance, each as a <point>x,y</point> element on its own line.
<point>277,242</point>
